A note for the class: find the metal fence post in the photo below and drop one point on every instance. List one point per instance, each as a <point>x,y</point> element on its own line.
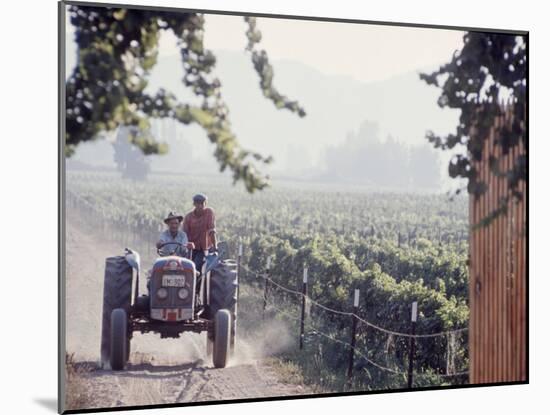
<point>414,311</point>
<point>266,287</point>
<point>353,331</point>
<point>304,295</point>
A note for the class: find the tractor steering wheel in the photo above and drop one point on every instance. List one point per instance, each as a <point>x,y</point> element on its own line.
<point>159,249</point>
<point>178,244</point>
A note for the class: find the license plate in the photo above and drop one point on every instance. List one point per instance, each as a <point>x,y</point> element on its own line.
<point>173,281</point>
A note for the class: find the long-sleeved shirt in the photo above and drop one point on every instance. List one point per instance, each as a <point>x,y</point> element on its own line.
<point>199,227</point>
<point>180,237</point>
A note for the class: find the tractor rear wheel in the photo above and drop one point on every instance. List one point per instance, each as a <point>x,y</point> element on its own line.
<point>119,339</point>
<point>222,338</point>
<point>117,293</point>
<point>223,285</point>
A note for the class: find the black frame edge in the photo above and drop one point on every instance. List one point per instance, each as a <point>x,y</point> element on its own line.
<point>520,32</point>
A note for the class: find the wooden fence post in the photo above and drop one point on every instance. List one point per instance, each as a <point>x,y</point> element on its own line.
<point>304,296</point>
<point>266,286</point>
<point>353,330</point>
<point>414,311</point>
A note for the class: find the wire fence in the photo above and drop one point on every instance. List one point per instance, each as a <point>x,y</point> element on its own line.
<point>306,325</point>
<point>348,313</point>
<point>316,330</point>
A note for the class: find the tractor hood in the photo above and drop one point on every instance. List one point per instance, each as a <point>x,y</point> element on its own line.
<point>173,263</point>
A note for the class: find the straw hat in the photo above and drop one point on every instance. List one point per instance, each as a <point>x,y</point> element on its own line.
<point>173,215</point>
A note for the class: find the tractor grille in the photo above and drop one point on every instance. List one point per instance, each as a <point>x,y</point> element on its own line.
<point>172,300</point>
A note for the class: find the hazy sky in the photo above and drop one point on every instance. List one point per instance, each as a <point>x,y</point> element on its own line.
<point>363,51</point>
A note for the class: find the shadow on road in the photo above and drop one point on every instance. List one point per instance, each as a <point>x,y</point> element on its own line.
<point>143,370</point>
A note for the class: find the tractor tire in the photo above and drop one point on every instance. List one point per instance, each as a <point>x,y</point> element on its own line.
<point>119,339</point>
<point>117,293</point>
<point>222,338</point>
<point>223,295</point>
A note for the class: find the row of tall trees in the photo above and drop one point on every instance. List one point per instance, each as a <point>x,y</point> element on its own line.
<point>364,158</point>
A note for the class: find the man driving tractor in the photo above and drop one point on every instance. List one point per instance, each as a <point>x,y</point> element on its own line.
<point>174,234</point>
<point>200,227</point>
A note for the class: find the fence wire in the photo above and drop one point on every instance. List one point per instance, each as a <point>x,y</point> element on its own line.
<point>346,313</point>
<point>316,330</point>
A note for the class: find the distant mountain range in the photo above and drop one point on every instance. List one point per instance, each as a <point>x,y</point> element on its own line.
<point>403,107</point>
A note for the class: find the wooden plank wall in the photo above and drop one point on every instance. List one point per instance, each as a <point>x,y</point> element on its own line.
<point>498,277</point>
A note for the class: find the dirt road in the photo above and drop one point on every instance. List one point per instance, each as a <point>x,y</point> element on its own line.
<point>160,371</point>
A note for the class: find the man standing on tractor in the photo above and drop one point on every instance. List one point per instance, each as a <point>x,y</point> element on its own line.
<point>174,234</point>
<point>200,227</point>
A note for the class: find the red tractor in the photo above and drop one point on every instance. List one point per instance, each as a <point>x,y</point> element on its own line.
<point>179,299</point>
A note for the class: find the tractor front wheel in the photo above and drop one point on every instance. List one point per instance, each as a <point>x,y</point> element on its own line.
<point>222,338</point>
<point>119,339</point>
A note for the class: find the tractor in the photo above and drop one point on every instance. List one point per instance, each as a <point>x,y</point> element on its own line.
<point>179,299</point>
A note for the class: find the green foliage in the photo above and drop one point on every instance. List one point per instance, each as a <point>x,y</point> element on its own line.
<point>347,240</point>
<point>488,67</point>
<point>265,70</point>
<point>117,48</point>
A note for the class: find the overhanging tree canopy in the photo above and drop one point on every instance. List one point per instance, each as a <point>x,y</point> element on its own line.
<point>117,49</point>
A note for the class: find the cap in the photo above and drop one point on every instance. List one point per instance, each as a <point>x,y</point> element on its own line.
<point>199,197</point>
